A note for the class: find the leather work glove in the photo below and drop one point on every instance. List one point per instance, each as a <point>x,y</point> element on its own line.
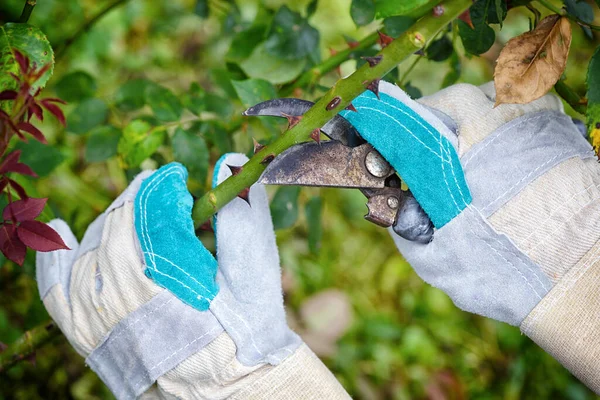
<point>156,316</point>
<point>513,194</point>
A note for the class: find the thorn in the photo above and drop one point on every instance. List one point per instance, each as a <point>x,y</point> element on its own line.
<point>257,146</point>
<point>206,226</point>
<point>292,119</point>
<point>373,61</point>
<point>234,170</point>
<point>332,51</point>
<point>373,86</point>
<point>438,10</point>
<point>351,107</point>
<point>334,103</point>
<point>316,135</point>
<point>352,43</point>
<point>245,195</point>
<point>384,40</point>
<point>268,159</point>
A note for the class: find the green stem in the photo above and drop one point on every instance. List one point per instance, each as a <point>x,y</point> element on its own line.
<point>571,17</point>
<point>314,74</point>
<point>26,344</point>
<point>570,96</point>
<point>27,9</point>
<point>62,47</point>
<point>346,90</point>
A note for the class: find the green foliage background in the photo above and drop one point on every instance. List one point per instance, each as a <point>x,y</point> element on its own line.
<point>156,81</point>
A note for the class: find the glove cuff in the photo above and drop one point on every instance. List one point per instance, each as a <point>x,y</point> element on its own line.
<point>566,324</point>
<point>300,376</point>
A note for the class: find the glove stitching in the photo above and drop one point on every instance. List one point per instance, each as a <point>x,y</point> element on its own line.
<point>218,299</point>
<point>408,131</point>
<point>131,325</point>
<point>496,135</point>
<point>147,373</point>
<point>543,240</point>
<point>500,255</point>
<point>568,202</point>
<point>544,308</point>
<point>144,196</point>
<point>525,177</point>
<point>443,149</point>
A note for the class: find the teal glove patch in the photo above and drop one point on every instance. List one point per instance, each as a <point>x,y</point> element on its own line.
<point>421,155</point>
<point>175,258</point>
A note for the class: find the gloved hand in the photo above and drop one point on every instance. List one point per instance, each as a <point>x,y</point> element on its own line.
<point>156,315</point>
<point>513,193</point>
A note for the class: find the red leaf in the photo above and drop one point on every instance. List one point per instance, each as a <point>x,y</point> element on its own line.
<point>40,237</point>
<point>35,109</point>
<point>8,95</point>
<point>54,109</point>
<point>22,61</point>
<point>33,131</point>
<point>54,100</point>
<point>18,188</point>
<point>38,74</point>
<point>10,161</point>
<point>24,210</point>
<point>11,246</point>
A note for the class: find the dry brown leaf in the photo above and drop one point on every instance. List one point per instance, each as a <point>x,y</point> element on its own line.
<point>531,63</point>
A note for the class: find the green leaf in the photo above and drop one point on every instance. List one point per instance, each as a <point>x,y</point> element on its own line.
<point>396,26</point>
<point>362,11</point>
<point>131,95</point>
<point>413,8</point>
<point>165,105</point>
<point>313,211</point>
<point>217,136</point>
<point>312,7</point>
<point>87,115</point>
<point>139,141</point>
<point>455,70</point>
<point>30,41</point>
<point>291,37</point>
<point>593,97</point>
<point>217,104</point>
<point>201,8</point>
<point>262,65</point>
<point>478,40</point>
<point>190,149</point>
<point>43,159</point>
<point>413,91</point>
<point>284,207</point>
<point>102,143</point>
<point>245,42</point>
<point>499,12</point>
<point>440,50</point>
<point>254,91</point>
<point>76,86</point>
<point>194,99</point>
<point>580,9</point>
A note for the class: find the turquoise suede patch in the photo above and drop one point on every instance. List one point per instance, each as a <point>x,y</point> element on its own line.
<point>423,157</point>
<point>175,258</point>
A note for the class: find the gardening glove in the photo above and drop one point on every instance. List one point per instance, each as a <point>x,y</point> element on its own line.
<point>156,316</point>
<point>513,192</point>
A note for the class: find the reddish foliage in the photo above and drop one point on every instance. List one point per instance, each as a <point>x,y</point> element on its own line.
<point>40,237</point>
<point>18,227</point>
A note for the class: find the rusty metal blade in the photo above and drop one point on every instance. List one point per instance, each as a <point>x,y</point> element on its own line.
<point>328,164</point>
<point>337,128</point>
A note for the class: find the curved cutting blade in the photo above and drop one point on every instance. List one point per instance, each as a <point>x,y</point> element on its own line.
<point>337,128</point>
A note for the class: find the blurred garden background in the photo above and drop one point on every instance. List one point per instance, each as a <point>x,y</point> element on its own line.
<point>185,70</point>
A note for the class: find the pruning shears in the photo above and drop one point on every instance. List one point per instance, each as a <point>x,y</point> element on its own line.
<point>345,161</point>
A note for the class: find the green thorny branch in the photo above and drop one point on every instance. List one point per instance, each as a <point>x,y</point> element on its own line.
<point>335,100</point>
<point>346,89</point>
<point>25,346</point>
